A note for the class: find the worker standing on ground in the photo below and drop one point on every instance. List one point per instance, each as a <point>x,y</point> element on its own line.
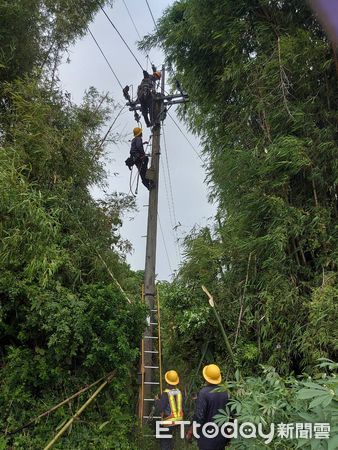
<point>171,406</point>
<point>207,406</point>
<point>146,95</point>
<point>138,157</point>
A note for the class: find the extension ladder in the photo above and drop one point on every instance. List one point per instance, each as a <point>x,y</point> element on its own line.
<point>151,365</point>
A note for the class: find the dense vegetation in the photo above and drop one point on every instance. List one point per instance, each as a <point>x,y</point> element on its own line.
<point>69,311</point>
<point>262,88</point>
<point>261,80</point>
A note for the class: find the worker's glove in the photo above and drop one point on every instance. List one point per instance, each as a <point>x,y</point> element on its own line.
<point>145,74</point>
<point>129,162</point>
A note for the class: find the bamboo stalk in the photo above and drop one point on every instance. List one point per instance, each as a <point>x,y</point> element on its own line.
<point>225,337</point>
<point>77,414</point>
<point>242,300</point>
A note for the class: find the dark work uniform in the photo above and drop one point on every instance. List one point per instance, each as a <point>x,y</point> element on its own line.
<point>163,406</point>
<point>145,95</point>
<point>139,158</point>
<point>208,405</point>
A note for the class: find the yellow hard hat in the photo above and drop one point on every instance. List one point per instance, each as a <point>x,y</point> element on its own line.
<point>212,374</point>
<point>157,74</point>
<point>171,377</point>
<point>137,131</point>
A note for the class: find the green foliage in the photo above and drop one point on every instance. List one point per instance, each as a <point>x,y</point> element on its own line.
<point>65,320</point>
<point>35,33</point>
<point>262,92</point>
<point>271,399</point>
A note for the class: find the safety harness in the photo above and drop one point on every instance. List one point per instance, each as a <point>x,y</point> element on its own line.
<point>176,410</point>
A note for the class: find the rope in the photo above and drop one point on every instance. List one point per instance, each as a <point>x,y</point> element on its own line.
<point>137,181</point>
<point>104,12</point>
<point>116,77</point>
<point>130,183</point>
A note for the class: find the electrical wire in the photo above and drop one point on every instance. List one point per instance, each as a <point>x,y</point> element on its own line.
<point>185,137</point>
<point>111,22</point>
<point>106,59</point>
<point>131,18</point>
<point>164,243</point>
<point>152,16</point>
<point>171,220</point>
<point>170,69</point>
<point>172,198</point>
<point>138,33</point>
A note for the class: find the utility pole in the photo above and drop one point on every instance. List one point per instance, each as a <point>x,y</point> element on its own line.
<point>150,343</point>
<point>150,363</point>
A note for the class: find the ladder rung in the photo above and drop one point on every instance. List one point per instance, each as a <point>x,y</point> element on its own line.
<point>150,351</point>
<point>153,323</point>
<point>150,337</point>
<point>151,382</point>
<point>153,310</point>
<point>148,399</point>
<point>152,417</point>
<point>151,367</point>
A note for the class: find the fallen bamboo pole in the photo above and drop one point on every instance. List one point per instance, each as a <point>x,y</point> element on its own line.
<point>77,414</point>
<point>54,408</point>
<point>225,337</point>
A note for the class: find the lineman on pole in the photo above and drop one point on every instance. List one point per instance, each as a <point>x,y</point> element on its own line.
<point>139,157</point>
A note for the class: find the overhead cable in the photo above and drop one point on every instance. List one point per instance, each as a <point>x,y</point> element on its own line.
<point>185,137</point>
<point>171,219</point>
<point>172,197</point>
<point>98,45</point>
<point>133,54</point>
<point>152,16</point>
<point>131,18</point>
<point>164,243</point>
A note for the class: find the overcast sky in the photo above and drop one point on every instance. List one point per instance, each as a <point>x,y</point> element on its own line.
<point>87,67</point>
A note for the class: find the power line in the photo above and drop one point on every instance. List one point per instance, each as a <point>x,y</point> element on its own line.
<point>172,196</point>
<point>172,223</point>
<point>131,18</point>
<point>136,29</point>
<point>152,16</point>
<point>98,45</point>
<point>185,137</point>
<point>164,243</point>
<point>138,62</point>
<point>178,84</point>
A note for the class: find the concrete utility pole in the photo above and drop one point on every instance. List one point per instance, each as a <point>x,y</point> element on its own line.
<point>151,343</point>
<point>150,380</point>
